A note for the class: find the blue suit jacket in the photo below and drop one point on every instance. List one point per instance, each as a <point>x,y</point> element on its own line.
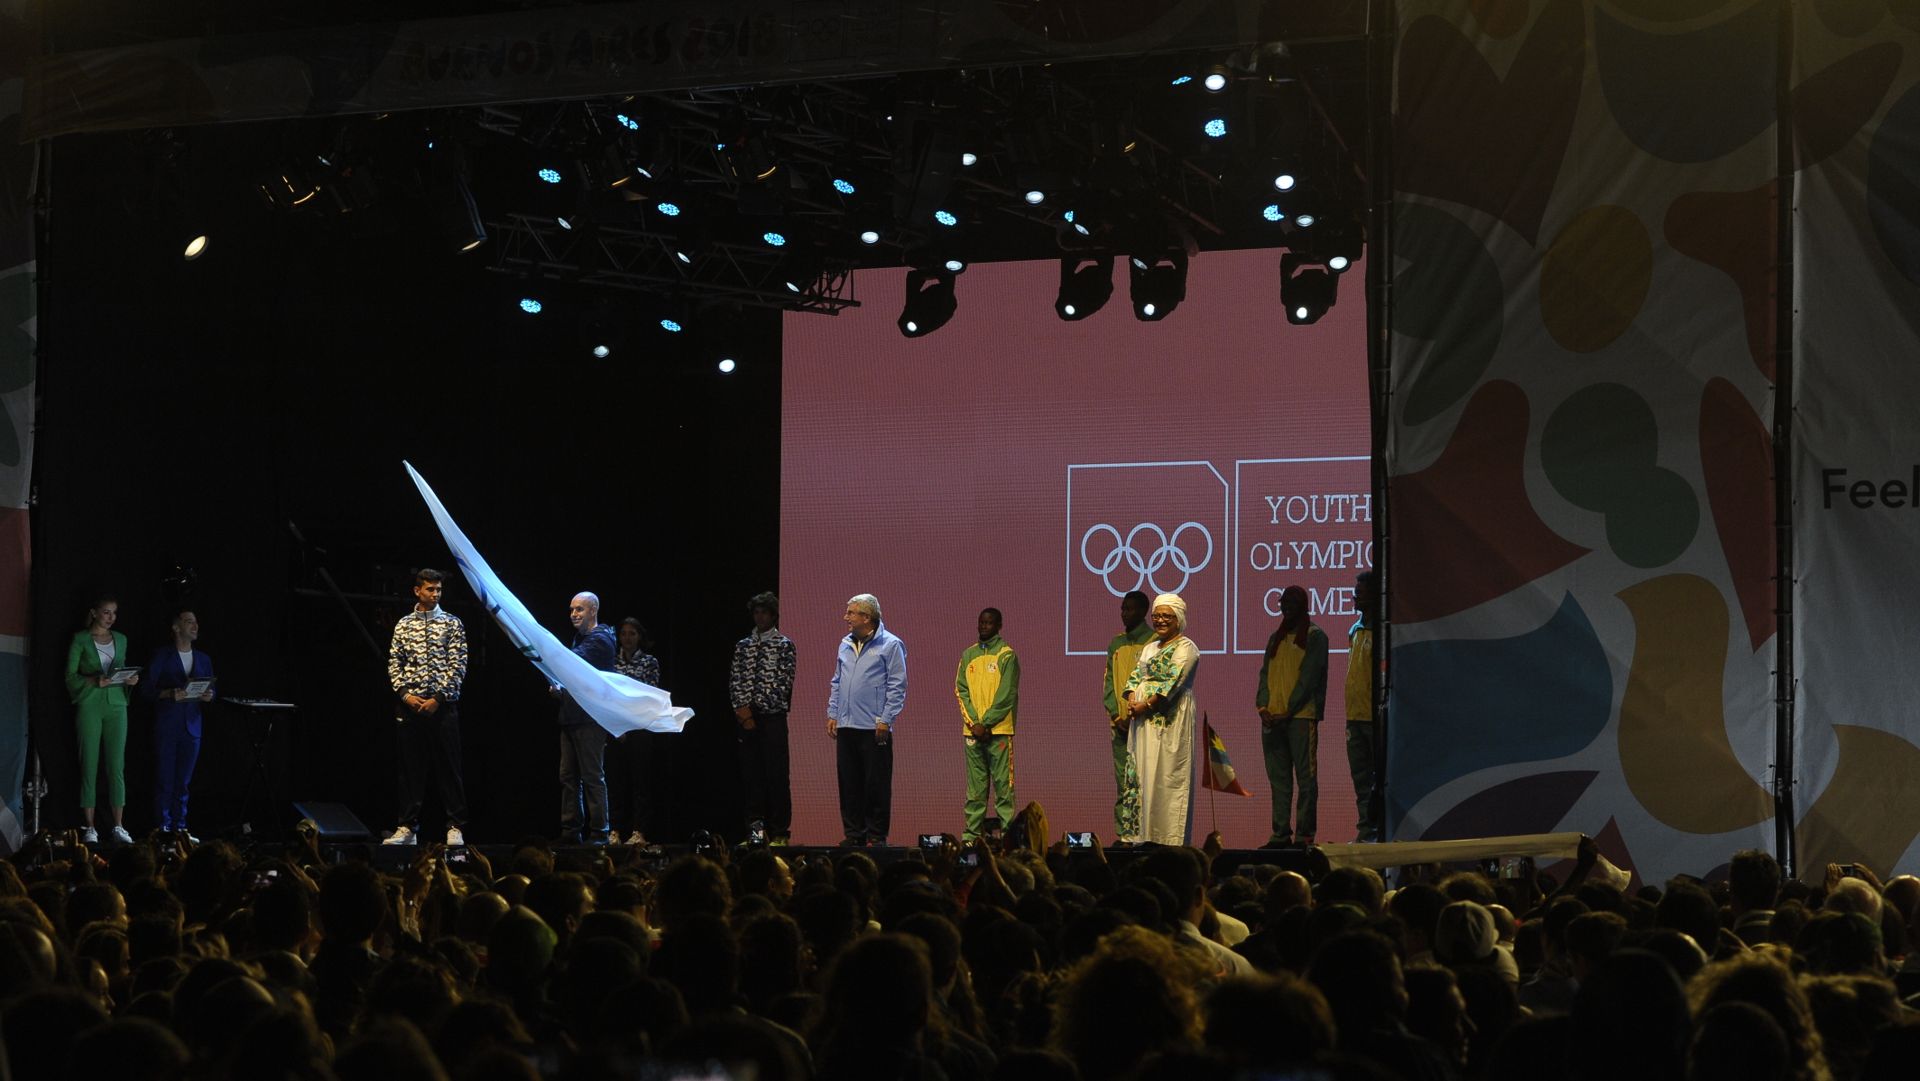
<point>165,674</point>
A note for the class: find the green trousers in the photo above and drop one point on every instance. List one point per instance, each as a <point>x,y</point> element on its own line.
<point>1125,823</point>
<point>989,760</point>
<point>1292,753</point>
<point>96,723</point>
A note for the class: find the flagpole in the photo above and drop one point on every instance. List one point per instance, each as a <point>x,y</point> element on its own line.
<point>1213,812</point>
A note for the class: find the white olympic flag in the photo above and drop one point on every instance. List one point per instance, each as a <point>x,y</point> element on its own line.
<point>618,703</point>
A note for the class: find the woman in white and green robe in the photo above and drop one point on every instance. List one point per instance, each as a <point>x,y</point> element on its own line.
<point>1159,698</point>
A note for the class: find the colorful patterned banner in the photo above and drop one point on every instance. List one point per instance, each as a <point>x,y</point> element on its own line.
<point>1856,461</point>
<point>18,320</point>
<point>1580,467</point>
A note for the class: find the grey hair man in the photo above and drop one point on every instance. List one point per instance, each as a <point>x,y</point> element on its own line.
<point>583,743</point>
<point>869,691</point>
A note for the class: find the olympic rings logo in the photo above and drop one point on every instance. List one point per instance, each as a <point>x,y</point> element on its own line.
<point>1145,566</point>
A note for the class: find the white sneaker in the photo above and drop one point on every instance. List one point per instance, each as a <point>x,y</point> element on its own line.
<point>401,835</point>
<point>90,836</point>
<point>454,837</point>
<point>120,834</point>
<point>188,834</point>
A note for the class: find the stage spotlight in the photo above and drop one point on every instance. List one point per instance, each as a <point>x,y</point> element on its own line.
<point>955,266</point>
<point>668,207</point>
<point>844,186</point>
<point>531,306</point>
<point>945,218</point>
<point>671,326</point>
<point>1035,196</point>
<point>602,329</point>
<point>774,239</point>
<point>1181,80</point>
<point>1075,219</point>
<point>1158,287</point>
<point>969,159</point>
<point>627,122</point>
<point>1273,213</point>
<point>1304,221</point>
<point>1218,76</point>
<point>1283,182</point>
<point>1307,291</point>
<point>196,246</point>
<point>1340,238</point>
<point>869,236</point>
<point>930,303</point>
<point>550,175</point>
<point>1215,127</point>
<point>726,365</point>
<point>564,222</point>
<point>1086,284</point>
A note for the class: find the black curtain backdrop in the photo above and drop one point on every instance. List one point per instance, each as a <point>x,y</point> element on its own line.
<point>245,417</point>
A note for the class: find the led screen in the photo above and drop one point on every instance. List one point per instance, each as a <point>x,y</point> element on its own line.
<point>1044,468</point>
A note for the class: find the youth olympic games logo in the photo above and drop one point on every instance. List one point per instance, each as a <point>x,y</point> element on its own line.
<point>1157,527</point>
<point>1143,554</point>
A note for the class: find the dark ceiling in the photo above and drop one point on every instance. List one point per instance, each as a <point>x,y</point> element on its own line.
<point>1117,148</point>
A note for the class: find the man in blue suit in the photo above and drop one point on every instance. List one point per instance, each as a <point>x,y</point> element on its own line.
<point>176,718</point>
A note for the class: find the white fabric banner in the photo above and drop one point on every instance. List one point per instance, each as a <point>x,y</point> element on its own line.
<point>618,703</point>
<point>1856,465</point>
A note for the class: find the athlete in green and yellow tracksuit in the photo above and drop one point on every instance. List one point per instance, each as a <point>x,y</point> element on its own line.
<point>988,687</point>
<point>1291,699</point>
<point>1123,656</point>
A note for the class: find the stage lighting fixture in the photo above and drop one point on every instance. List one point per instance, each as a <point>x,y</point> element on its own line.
<point>844,186</point>
<point>1086,284</point>
<point>564,222</point>
<point>1181,80</point>
<point>627,122</point>
<point>531,306</point>
<point>1075,219</point>
<point>196,246</point>
<point>869,236</point>
<point>1215,127</point>
<point>969,159</point>
<point>1158,287</point>
<point>1304,221</point>
<point>1283,181</point>
<point>602,329</point>
<point>671,326</point>
<point>1035,196</point>
<point>1307,290</point>
<point>1340,238</point>
<point>930,303</point>
<point>946,218</point>
<point>726,365</point>
<point>774,239</point>
<point>550,175</point>
<point>668,207</point>
<point>1272,212</point>
<point>1218,76</point>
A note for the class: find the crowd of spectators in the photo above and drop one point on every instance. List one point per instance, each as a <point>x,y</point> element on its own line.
<point>156,961</point>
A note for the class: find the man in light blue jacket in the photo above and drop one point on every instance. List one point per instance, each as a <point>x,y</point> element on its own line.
<point>869,691</point>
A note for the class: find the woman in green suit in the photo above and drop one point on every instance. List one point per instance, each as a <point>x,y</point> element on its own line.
<point>100,712</point>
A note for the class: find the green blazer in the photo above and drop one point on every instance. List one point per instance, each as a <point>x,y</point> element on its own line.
<point>83,664</point>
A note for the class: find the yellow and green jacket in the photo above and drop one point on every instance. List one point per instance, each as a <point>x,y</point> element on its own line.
<point>988,686</point>
<point>1359,672</point>
<point>1123,655</point>
<point>1293,682</point>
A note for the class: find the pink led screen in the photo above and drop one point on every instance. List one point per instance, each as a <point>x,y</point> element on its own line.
<point>1004,461</point>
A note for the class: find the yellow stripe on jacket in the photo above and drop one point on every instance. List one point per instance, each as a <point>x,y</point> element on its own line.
<point>1360,673</point>
<point>988,686</point>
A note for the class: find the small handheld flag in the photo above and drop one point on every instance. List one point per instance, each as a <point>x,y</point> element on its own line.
<point>1219,776</point>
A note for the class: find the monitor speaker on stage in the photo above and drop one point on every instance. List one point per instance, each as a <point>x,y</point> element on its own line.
<point>336,822</point>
